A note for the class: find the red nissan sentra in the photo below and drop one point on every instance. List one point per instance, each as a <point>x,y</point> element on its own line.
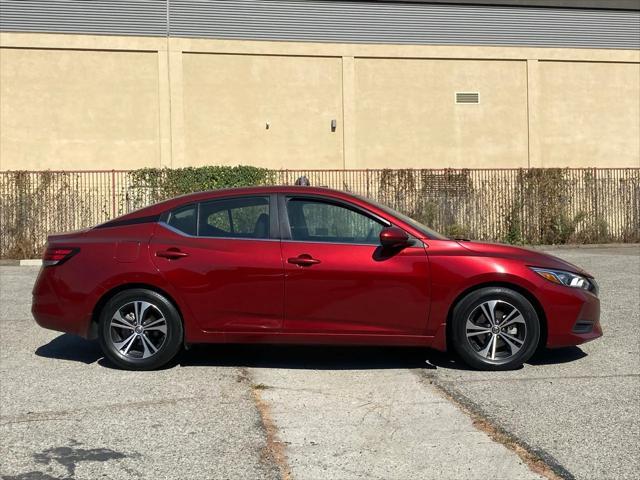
<point>309,266</point>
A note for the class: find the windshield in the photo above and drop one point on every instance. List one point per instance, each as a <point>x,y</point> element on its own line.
<point>408,220</point>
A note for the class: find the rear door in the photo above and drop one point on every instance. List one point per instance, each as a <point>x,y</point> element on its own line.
<point>224,258</point>
<point>338,277</point>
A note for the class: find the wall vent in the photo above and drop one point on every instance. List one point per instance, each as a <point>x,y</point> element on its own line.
<point>467,97</point>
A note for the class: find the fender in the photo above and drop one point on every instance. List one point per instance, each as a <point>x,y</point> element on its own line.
<point>450,282</point>
<point>152,279</point>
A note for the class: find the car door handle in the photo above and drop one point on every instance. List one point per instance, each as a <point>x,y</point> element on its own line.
<point>171,254</point>
<point>303,260</point>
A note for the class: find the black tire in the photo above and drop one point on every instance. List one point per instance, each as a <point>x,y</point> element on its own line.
<point>470,320</point>
<point>158,312</point>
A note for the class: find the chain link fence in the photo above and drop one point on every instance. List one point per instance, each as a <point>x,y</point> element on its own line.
<point>530,206</point>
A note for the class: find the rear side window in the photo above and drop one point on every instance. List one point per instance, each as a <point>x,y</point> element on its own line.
<point>184,219</point>
<point>243,217</point>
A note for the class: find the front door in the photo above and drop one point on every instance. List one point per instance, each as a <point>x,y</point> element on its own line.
<point>340,280</point>
<point>223,256</point>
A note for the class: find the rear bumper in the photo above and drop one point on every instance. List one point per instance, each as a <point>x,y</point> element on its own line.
<point>58,312</point>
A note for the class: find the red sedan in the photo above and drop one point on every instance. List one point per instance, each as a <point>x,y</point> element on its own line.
<point>304,265</point>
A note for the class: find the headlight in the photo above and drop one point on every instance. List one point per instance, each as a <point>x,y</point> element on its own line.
<point>567,278</point>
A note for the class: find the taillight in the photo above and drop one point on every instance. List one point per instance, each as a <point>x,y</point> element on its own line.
<point>58,255</point>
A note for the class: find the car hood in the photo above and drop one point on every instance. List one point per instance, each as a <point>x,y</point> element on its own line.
<point>534,258</point>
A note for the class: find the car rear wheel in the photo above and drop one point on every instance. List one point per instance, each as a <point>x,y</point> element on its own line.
<point>495,328</point>
<point>140,330</point>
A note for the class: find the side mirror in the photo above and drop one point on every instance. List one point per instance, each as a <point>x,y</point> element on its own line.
<point>394,237</point>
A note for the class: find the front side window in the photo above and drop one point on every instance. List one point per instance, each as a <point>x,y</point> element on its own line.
<point>244,217</point>
<point>319,221</point>
<point>184,219</point>
<point>428,232</point>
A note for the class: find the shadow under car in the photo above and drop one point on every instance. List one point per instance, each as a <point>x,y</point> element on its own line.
<point>316,357</point>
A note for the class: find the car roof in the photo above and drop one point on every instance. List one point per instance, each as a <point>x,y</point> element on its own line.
<point>262,190</point>
<point>172,203</point>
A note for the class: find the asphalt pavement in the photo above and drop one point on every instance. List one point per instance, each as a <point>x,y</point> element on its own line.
<point>579,407</point>
<point>318,412</point>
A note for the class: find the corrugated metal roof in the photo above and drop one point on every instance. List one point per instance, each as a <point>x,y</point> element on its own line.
<point>331,21</point>
<point>112,17</point>
<point>602,4</point>
<point>409,23</point>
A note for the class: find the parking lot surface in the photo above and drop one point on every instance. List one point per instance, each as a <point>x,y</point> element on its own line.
<point>315,412</point>
<point>578,406</point>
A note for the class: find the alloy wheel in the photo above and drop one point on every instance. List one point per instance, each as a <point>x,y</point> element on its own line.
<point>138,329</point>
<point>496,330</point>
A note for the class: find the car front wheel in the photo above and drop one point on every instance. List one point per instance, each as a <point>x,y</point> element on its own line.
<point>140,330</point>
<point>495,328</point>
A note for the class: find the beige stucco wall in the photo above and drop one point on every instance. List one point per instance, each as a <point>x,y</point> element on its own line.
<point>229,100</point>
<point>589,114</point>
<point>406,113</point>
<point>78,109</point>
<point>103,102</point>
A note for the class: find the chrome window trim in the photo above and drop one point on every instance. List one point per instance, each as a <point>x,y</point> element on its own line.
<point>418,243</point>
<point>183,234</point>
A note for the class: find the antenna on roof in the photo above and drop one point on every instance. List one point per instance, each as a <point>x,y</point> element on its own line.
<point>303,181</point>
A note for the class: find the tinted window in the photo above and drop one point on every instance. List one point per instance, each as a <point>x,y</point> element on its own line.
<point>318,221</point>
<point>414,223</point>
<point>184,219</point>
<point>245,217</point>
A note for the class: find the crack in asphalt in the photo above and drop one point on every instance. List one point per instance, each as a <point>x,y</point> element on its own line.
<point>50,415</point>
<point>274,451</point>
<point>538,460</point>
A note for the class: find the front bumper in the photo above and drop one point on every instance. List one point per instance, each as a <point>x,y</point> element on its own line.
<point>573,316</point>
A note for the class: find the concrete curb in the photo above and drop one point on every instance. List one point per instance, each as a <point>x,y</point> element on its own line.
<point>31,262</point>
<point>586,246</point>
